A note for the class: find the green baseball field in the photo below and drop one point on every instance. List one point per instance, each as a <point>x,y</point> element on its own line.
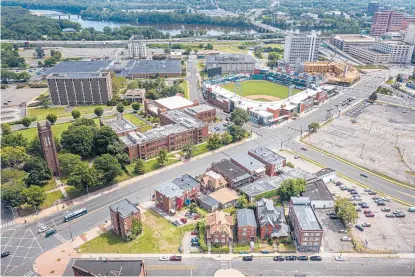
<point>261,90</point>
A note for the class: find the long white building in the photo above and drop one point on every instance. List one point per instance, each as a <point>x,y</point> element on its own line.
<point>344,41</point>
<point>399,51</point>
<point>300,49</point>
<point>137,49</point>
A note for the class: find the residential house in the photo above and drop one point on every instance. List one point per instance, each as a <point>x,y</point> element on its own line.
<point>189,185</point>
<point>219,228</point>
<point>226,197</point>
<point>212,181</point>
<point>250,164</point>
<point>207,202</point>
<point>271,220</point>
<point>308,232</point>
<point>245,220</point>
<point>169,197</point>
<point>274,163</point>
<point>122,214</point>
<point>234,175</point>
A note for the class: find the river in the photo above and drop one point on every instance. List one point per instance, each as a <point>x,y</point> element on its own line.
<point>173,29</point>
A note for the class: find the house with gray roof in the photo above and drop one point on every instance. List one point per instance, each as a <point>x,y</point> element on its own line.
<point>319,195</point>
<point>122,215</point>
<point>246,222</point>
<point>233,174</point>
<point>169,197</point>
<point>274,163</point>
<point>207,202</point>
<point>271,220</point>
<point>308,232</point>
<point>249,164</point>
<point>189,185</point>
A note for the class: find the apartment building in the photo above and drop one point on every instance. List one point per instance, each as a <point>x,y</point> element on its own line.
<point>137,48</point>
<point>249,164</point>
<point>399,51</point>
<point>307,229</point>
<point>344,41</point>
<point>231,63</point>
<point>369,55</point>
<point>274,163</point>
<point>122,214</point>
<point>301,49</point>
<point>407,20</point>
<point>202,112</point>
<point>386,21</point>
<point>410,34</point>
<point>246,230</point>
<point>212,181</point>
<point>76,89</point>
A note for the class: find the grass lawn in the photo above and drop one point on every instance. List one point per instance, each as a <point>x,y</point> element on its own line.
<point>200,149</point>
<point>185,86</point>
<point>230,47</point>
<point>50,198</point>
<point>73,192</point>
<point>260,87</point>
<point>282,247</point>
<point>240,247</point>
<point>50,185</point>
<point>134,120</point>
<point>152,165</point>
<point>159,236</point>
<point>41,113</point>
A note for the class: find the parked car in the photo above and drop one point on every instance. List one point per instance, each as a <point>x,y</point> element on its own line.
<point>385,210</point>
<point>342,231</point>
<point>400,215</point>
<point>164,258</point>
<point>372,193</point>
<point>370,215</point>
<point>334,216</point>
<point>358,209</point>
<point>49,233</point>
<point>302,258</point>
<point>194,232</point>
<point>365,206</point>
<point>290,258</point>
<point>339,183</point>
<point>358,226</point>
<point>247,258</point>
<point>397,211</point>
<point>365,224</point>
<point>175,258</point>
<point>195,243</point>
<point>296,157</point>
<point>5,254</point>
<point>411,209</point>
<point>316,258</point>
<point>354,192</point>
<point>42,229</point>
<point>278,259</point>
<point>386,199</point>
<point>367,212</point>
<point>303,148</point>
<point>381,203</point>
<point>340,259</point>
<point>345,239</point>
<point>195,240</point>
<point>390,215</point>
<point>183,219</point>
<point>367,190</point>
<point>330,213</point>
<point>363,175</point>
<point>375,198</point>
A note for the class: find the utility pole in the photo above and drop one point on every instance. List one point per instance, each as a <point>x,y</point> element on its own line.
<point>371,126</point>
<point>396,142</point>
<point>361,153</point>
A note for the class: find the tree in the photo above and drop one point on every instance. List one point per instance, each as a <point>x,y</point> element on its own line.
<point>51,118</point>
<point>237,132</point>
<point>23,76</point>
<point>239,117</point>
<point>99,111</point>
<point>136,106</point>
<point>35,196</point>
<point>68,162</point>
<point>272,63</point>
<point>139,167</point>
<point>34,148</point>
<point>226,138</point>
<point>38,171</point>
<point>13,140</point>
<point>40,53</point>
<point>6,129</point>
<point>136,229</point>
<point>103,138</point>
<point>273,56</point>
<point>346,211</point>
<point>14,176</point>
<point>49,62</point>
<point>83,177</point>
<point>291,187</point>
<point>84,122</point>
<point>209,46</point>
<point>162,157</point>
<point>44,100</point>
<point>290,164</point>
<point>242,202</point>
<point>123,159</point>
<point>79,140</point>
<point>26,121</point>
<point>76,114</point>
<point>12,156</point>
<point>192,207</point>
<point>313,127</point>
<point>12,194</point>
<point>188,150</point>
<point>373,97</point>
<point>167,50</point>
<point>120,108</point>
<point>108,166</point>
<point>214,141</point>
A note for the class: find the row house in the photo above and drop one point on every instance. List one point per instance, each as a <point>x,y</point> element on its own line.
<point>219,228</point>
<point>247,227</point>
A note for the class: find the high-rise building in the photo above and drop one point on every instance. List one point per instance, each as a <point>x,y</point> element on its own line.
<point>137,49</point>
<point>300,49</point>
<point>410,34</point>
<point>48,146</point>
<point>386,21</point>
<point>399,51</point>
<point>406,21</point>
<point>372,8</point>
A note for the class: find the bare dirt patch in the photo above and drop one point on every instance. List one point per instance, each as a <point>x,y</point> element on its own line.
<point>267,97</point>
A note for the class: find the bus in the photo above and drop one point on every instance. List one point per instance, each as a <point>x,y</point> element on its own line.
<point>75,214</point>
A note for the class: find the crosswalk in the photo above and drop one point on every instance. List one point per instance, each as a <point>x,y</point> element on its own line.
<point>60,238</point>
<point>30,274</point>
<point>8,224</point>
<point>224,264</point>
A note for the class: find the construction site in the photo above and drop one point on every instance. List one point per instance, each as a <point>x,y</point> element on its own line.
<point>335,73</point>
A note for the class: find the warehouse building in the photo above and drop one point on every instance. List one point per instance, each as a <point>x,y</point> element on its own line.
<point>152,68</point>
<point>79,67</point>
<point>231,63</point>
<point>177,102</point>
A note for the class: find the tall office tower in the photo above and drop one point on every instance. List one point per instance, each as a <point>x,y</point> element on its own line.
<point>372,8</point>
<point>386,21</point>
<point>301,49</point>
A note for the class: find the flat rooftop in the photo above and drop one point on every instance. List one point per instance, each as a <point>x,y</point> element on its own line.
<point>354,38</point>
<point>152,67</point>
<point>80,75</point>
<point>267,155</point>
<point>136,92</point>
<point>224,195</point>
<point>248,162</point>
<point>186,182</point>
<point>317,191</point>
<point>306,218</point>
<point>198,109</point>
<point>183,118</point>
<point>324,171</point>
<point>230,170</point>
<point>169,190</point>
<point>79,67</point>
<point>119,125</point>
<point>134,138</point>
<point>125,208</point>
<point>230,58</point>
<point>174,102</point>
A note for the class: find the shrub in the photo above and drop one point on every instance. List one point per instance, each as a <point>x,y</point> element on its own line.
<point>289,164</point>
<point>38,85</point>
<point>19,86</point>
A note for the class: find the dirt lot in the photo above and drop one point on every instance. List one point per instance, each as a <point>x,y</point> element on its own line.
<point>381,136</point>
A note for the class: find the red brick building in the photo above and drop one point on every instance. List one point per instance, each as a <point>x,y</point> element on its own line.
<point>204,113</point>
<point>122,214</point>
<point>271,220</point>
<point>247,227</point>
<point>274,163</point>
<point>219,228</point>
<point>177,102</point>
<point>106,267</point>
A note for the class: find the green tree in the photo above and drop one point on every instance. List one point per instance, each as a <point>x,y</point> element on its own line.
<point>12,194</point>
<point>83,177</point>
<point>40,53</point>
<point>13,140</point>
<point>313,127</point>
<point>84,122</point>
<point>139,167</point>
<point>76,114</point>
<point>273,56</point>
<point>120,108</point>
<point>242,202</point>
<point>214,141</point>
<point>162,157</point>
<point>136,229</point>
<point>209,46</point>
<point>26,121</point>
<point>44,100</point>
<point>49,62</point>
<point>272,63</point>
<point>108,167</point>
<point>136,106</point>
<point>23,76</point>
<point>373,97</point>
<point>35,196</point>
<point>52,118</point>
<point>12,175</point>
<point>103,138</point>
<point>68,162</point>
<point>38,171</point>
<point>123,159</point>
<point>192,207</point>
<point>99,111</point>
<point>12,156</point>
<point>79,140</point>
<point>291,187</point>
<point>34,148</point>
<point>237,132</point>
<point>239,117</point>
<point>188,150</point>
<point>226,138</point>
<point>346,210</point>
<point>290,164</point>
<point>6,129</point>
<point>118,82</point>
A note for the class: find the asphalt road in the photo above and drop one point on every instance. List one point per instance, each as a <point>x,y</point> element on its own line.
<point>142,190</point>
<point>193,79</point>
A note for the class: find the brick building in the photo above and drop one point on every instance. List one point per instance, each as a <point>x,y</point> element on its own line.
<point>386,21</point>
<point>202,112</point>
<point>156,107</point>
<point>119,125</point>
<point>233,174</point>
<point>219,228</point>
<point>212,181</point>
<point>271,220</point>
<point>245,220</point>
<point>106,267</point>
<point>307,229</point>
<point>122,214</point>
<point>274,163</point>
<point>250,164</point>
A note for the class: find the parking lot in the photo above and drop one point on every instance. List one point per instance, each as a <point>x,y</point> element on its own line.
<point>382,139</point>
<point>22,245</point>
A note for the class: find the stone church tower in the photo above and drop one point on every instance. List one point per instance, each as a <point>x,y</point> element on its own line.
<point>48,147</point>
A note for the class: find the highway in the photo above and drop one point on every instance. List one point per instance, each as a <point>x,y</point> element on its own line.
<point>142,190</point>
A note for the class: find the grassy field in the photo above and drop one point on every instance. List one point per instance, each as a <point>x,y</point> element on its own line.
<point>151,165</point>
<point>254,87</point>
<point>158,236</point>
<point>185,86</point>
<point>50,198</point>
<point>41,113</point>
<point>134,120</point>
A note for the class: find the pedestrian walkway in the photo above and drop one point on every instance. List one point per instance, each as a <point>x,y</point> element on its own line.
<point>7,224</point>
<point>30,273</point>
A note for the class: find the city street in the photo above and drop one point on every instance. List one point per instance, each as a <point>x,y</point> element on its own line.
<point>193,79</point>
<point>273,137</point>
